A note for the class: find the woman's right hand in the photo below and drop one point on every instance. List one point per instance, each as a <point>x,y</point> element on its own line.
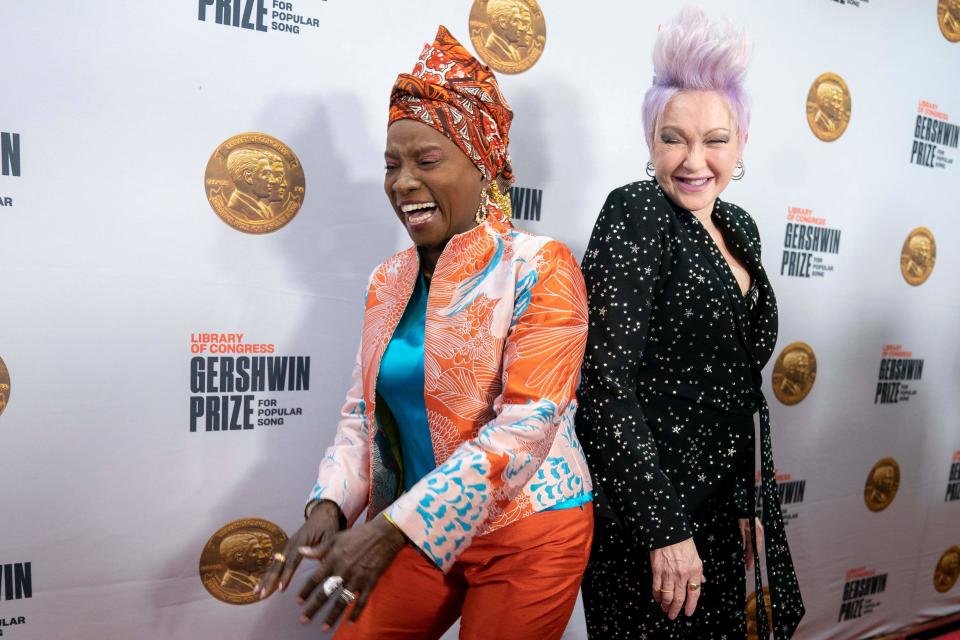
<point>321,526</point>
<point>677,577</point>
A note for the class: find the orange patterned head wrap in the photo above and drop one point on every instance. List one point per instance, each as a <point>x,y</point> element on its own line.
<point>454,93</point>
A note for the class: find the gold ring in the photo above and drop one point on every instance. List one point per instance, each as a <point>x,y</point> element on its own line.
<point>279,556</point>
<point>692,586</point>
<point>666,590</point>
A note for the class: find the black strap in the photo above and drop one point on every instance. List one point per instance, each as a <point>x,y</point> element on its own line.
<point>785,600</point>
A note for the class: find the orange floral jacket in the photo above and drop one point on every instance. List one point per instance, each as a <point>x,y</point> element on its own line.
<point>505,334</point>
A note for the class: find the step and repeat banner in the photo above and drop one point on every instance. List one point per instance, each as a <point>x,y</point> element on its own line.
<point>191,201</point>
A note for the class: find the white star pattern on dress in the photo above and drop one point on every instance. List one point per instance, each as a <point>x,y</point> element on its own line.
<point>659,430</point>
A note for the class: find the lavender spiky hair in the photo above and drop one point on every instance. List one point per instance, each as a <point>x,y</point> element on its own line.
<point>693,53</point>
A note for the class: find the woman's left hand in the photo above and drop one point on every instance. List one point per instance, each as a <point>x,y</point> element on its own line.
<point>359,556</point>
<point>747,545</point>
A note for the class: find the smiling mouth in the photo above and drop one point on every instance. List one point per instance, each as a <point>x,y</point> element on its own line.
<point>419,212</point>
<point>693,182</point>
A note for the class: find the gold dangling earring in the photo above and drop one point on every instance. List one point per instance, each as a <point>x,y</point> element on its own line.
<point>502,200</point>
<point>481,213</point>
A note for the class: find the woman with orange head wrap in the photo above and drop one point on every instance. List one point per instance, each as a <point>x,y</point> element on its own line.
<point>457,436</point>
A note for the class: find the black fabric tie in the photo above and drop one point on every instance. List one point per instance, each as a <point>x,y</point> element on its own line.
<point>785,598</point>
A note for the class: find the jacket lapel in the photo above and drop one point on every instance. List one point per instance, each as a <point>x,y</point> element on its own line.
<point>749,253</point>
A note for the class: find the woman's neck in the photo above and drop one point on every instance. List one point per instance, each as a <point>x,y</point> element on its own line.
<point>428,259</point>
<point>704,215</point>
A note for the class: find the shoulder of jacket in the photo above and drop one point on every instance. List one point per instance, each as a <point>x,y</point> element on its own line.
<point>397,260</point>
<point>637,204</point>
<point>527,245</point>
<point>740,217</point>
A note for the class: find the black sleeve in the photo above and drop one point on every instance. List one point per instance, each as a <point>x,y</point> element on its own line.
<point>621,268</point>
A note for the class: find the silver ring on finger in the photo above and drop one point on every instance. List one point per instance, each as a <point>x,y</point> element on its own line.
<point>331,584</point>
<point>347,596</point>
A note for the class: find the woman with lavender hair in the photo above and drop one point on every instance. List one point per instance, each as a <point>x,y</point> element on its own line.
<point>682,320</point>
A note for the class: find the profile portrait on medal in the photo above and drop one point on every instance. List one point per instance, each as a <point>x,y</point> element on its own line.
<point>509,34</point>
<point>882,484</point>
<point>258,177</point>
<point>246,556</point>
<point>794,373</point>
<point>828,106</point>
<point>510,29</point>
<point>254,183</point>
<point>947,571</point>
<point>948,15</point>
<point>830,112</point>
<point>918,256</point>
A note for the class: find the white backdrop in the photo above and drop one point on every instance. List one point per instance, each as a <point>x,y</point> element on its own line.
<point>111,258</point>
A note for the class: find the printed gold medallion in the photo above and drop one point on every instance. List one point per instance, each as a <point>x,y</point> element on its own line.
<point>828,107</point>
<point>882,484</point>
<point>752,633</point>
<point>4,386</point>
<point>948,17</point>
<point>947,571</point>
<point>794,373</point>
<point>509,35</point>
<point>918,255</point>
<point>254,183</point>
<point>237,556</point>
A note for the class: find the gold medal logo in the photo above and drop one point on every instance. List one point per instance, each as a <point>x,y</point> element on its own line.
<point>948,16</point>
<point>882,484</point>
<point>947,571</point>
<point>794,373</point>
<point>254,183</point>
<point>752,613</point>
<point>237,556</point>
<point>4,386</point>
<point>508,34</point>
<point>918,255</point>
<point>828,107</point>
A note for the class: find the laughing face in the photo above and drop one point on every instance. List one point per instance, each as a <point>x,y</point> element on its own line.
<point>695,149</point>
<point>432,185</point>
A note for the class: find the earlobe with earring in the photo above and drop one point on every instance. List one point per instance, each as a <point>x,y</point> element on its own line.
<point>739,167</point>
<point>481,213</point>
<point>499,198</point>
<point>651,170</point>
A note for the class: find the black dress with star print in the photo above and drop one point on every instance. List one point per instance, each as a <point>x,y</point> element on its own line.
<point>670,385</point>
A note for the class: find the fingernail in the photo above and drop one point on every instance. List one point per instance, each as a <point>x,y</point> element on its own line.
<point>304,619</point>
<point>281,586</point>
<point>305,550</point>
<point>300,600</point>
<point>325,627</point>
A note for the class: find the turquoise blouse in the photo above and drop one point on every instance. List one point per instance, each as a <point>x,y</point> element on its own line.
<point>400,385</point>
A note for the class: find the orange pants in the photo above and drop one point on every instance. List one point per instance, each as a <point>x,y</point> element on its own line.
<point>519,582</point>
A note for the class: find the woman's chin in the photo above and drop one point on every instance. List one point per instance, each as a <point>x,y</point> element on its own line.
<point>694,201</point>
